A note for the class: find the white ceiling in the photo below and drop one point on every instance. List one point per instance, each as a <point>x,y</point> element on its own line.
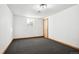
<point>31,10</point>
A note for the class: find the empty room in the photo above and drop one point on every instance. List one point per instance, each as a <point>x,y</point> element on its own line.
<point>39,29</point>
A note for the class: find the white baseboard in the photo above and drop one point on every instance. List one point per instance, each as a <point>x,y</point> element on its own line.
<point>64,42</point>
<point>3,49</point>
<point>25,36</point>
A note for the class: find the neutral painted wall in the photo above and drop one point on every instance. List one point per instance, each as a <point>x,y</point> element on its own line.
<point>5,27</point>
<point>22,30</point>
<point>64,26</point>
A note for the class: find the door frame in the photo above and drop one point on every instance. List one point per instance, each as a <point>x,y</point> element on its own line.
<point>45,34</point>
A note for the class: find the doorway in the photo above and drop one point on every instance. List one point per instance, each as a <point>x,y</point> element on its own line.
<point>45,27</point>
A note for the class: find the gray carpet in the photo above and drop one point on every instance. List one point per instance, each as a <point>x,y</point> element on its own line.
<point>38,46</point>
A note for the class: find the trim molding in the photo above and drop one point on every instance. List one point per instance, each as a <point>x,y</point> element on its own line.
<point>6,46</point>
<point>28,37</point>
<point>3,50</point>
<point>63,43</point>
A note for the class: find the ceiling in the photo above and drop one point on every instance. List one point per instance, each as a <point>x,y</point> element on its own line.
<point>31,10</point>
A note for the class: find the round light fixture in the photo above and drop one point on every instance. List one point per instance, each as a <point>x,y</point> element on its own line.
<point>43,5</point>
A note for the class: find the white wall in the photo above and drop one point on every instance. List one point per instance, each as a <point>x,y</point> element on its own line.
<point>5,27</point>
<point>64,26</point>
<point>22,30</point>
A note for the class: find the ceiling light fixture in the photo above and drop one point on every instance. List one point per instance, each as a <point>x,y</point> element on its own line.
<point>42,6</point>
